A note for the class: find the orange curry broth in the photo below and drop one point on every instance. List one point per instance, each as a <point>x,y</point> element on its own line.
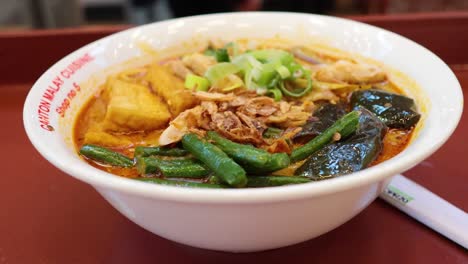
<point>394,142</point>
<point>94,111</point>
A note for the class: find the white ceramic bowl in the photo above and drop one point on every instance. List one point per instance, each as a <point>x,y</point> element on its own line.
<point>247,219</point>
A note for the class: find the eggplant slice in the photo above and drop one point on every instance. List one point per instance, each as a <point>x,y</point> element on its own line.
<point>351,155</point>
<point>325,116</point>
<point>396,111</point>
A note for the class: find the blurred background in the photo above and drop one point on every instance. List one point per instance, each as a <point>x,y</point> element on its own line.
<point>27,14</point>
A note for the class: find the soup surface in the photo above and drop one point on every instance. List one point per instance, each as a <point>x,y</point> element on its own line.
<point>246,114</point>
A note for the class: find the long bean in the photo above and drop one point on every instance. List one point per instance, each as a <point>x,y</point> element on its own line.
<point>224,168</point>
<point>268,181</point>
<point>105,156</point>
<point>346,125</point>
<point>142,151</point>
<point>253,159</point>
<point>181,183</point>
<point>173,168</point>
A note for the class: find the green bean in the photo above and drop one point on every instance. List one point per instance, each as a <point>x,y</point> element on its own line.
<point>181,183</point>
<point>243,154</point>
<point>142,151</point>
<point>253,159</point>
<point>268,181</point>
<point>214,158</point>
<point>349,129</point>
<point>277,161</point>
<point>173,168</point>
<point>105,156</point>
<point>347,124</point>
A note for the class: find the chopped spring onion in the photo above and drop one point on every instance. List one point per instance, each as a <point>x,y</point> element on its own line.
<point>283,72</point>
<point>242,62</point>
<point>297,92</point>
<point>271,55</point>
<point>248,80</point>
<point>266,74</point>
<point>264,71</point>
<point>232,87</point>
<point>195,82</point>
<point>229,83</point>
<point>296,69</point>
<point>257,74</point>
<point>222,55</point>
<point>298,74</point>
<point>247,63</point>
<point>254,62</point>
<point>221,70</point>
<point>261,90</point>
<point>277,95</point>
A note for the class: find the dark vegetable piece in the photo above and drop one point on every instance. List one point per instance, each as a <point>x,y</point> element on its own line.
<point>252,159</point>
<point>174,168</point>
<point>272,132</point>
<point>346,125</point>
<point>106,156</point>
<point>353,154</point>
<point>395,110</point>
<point>214,158</point>
<point>323,118</point>
<point>181,183</point>
<point>222,55</point>
<point>268,181</point>
<point>142,151</point>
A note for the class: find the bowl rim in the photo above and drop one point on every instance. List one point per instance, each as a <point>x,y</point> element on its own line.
<point>101,179</point>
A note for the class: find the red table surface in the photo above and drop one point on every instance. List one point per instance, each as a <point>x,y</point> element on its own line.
<point>49,217</point>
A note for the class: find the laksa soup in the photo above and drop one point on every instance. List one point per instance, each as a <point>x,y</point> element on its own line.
<point>246,114</point>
